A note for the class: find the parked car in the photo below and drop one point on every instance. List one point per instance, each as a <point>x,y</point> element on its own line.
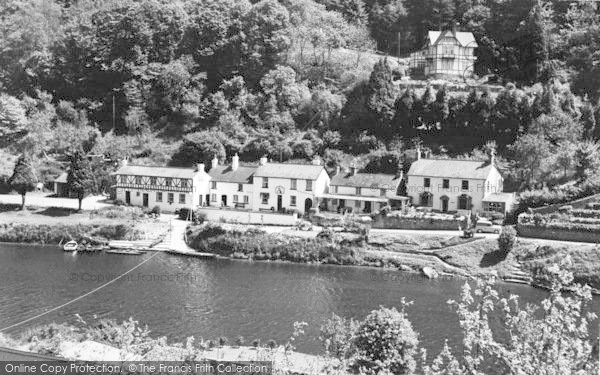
<point>484,226</point>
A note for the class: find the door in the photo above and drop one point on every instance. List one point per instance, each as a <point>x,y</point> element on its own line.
<point>128,197</point>
<point>279,202</point>
<point>207,200</point>
<point>223,200</point>
<point>368,207</point>
<point>307,205</point>
<point>145,200</point>
<point>444,205</point>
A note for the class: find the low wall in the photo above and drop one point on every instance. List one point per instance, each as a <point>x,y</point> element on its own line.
<point>579,203</point>
<point>392,222</point>
<point>556,234</point>
<point>247,217</point>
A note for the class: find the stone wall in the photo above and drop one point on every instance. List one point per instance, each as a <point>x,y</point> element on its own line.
<point>556,234</point>
<point>417,223</point>
<point>247,217</point>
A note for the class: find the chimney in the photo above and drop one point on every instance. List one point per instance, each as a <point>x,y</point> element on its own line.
<point>214,162</point>
<point>263,160</point>
<point>337,170</point>
<point>235,162</point>
<point>353,170</point>
<point>316,161</point>
<point>492,157</point>
<point>200,167</point>
<point>418,152</point>
<point>454,27</point>
<point>124,162</point>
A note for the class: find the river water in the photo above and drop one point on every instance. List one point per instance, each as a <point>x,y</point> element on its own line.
<point>180,297</point>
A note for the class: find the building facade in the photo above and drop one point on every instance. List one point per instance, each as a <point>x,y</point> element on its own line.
<point>448,54</point>
<point>362,193</point>
<point>451,185</point>
<point>168,188</point>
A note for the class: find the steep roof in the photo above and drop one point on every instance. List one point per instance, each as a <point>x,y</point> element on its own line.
<point>285,170</point>
<point>144,170</point>
<point>465,38</point>
<point>451,168</point>
<point>366,180</point>
<point>224,173</point>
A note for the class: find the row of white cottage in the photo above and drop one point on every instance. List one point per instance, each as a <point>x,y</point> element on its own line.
<point>440,185</point>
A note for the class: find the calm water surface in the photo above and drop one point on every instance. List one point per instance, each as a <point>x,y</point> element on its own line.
<point>181,297</point>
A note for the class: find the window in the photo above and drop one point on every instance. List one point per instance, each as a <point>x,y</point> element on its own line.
<point>213,197</point>
<point>246,199</point>
<point>357,204</point>
<point>427,199</point>
<point>447,64</point>
<point>293,200</point>
<point>293,185</point>
<point>235,198</point>
<point>138,180</point>
<point>159,197</point>
<point>123,179</point>
<point>445,184</point>
<point>181,198</point>
<point>264,198</point>
<point>137,193</point>
<point>213,185</point>
<point>184,184</point>
<point>308,185</point>
<point>357,191</point>
<point>152,180</point>
<point>448,50</point>
<point>170,197</point>
<point>382,192</point>
<point>465,184</point>
<point>426,182</point>
<point>464,202</point>
<point>168,181</point>
<point>240,187</point>
<point>265,183</point>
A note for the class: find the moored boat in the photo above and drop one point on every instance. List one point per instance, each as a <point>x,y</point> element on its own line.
<point>71,246</point>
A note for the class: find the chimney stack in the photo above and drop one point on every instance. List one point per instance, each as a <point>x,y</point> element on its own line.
<point>316,161</point>
<point>353,170</point>
<point>200,167</point>
<point>214,163</point>
<point>492,157</point>
<point>337,170</point>
<point>263,160</point>
<point>124,162</point>
<point>235,162</point>
<point>418,152</point>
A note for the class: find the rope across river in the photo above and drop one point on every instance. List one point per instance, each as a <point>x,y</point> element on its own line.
<point>80,297</point>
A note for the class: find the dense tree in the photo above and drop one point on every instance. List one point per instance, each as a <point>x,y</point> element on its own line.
<point>80,178</point>
<point>199,147</point>
<point>531,154</point>
<point>12,119</point>
<point>381,97</point>
<point>23,178</point>
<point>388,20</point>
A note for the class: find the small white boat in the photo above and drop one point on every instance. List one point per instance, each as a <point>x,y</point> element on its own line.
<point>70,246</point>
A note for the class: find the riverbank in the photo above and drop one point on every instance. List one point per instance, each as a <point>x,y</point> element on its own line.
<point>108,341</point>
<point>52,225</point>
<point>527,263</point>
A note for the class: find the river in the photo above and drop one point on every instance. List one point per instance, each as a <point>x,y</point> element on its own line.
<point>180,297</point>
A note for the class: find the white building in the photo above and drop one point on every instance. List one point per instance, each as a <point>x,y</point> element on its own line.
<point>281,186</point>
<point>448,54</point>
<point>230,186</point>
<point>362,192</point>
<point>451,185</point>
<point>166,187</point>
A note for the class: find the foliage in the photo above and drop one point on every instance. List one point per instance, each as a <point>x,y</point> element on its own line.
<point>507,239</point>
<point>80,178</point>
<point>200,147</point>
<point>53,234</point>
<point>386,342</point>
<point>23,179</point>
<point>337,336</point>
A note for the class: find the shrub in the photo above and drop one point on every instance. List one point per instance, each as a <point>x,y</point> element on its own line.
<point>240,341</point>
<point>386,343</point>
<point>337,336</point>
<point>507,239</point>
<point>119,202</point>
<point>155,210</point>
<point>184,214</point>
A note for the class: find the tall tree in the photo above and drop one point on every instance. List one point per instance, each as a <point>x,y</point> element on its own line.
<point>381,96</point>
<point>23,179</point>
<point>80,178</point>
